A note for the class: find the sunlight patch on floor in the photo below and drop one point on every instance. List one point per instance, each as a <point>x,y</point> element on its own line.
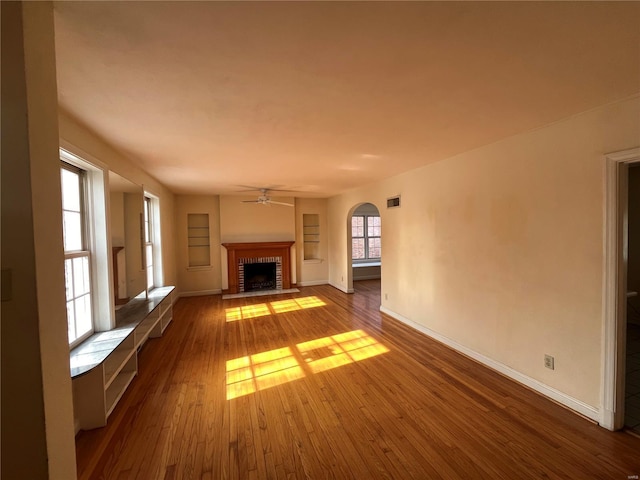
<point>264,370</point>
<point>234,314</point>
<point>337,350</point>
<point>249,374</point>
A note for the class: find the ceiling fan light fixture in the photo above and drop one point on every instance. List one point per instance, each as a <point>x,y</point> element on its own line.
<point>265,199</point>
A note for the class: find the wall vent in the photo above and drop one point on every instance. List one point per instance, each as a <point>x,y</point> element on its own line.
<point>393,202</point>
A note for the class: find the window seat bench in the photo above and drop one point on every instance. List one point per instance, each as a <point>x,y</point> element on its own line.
<point>366,264</point>
<point>103,366</point>
<point>366,270</point>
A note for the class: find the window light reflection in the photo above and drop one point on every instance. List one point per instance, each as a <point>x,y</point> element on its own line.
<point>249,374</point>
<point>281,306</point>
<point>337,350</point>
<point>264,370</point>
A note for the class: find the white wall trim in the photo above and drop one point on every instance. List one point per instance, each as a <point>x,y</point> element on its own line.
<point>200,293</point>
<point>312,283</point>
<point>560,397</point>
<point>614,287</point>
<point>342,289</point>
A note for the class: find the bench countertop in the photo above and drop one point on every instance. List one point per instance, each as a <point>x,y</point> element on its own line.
<point>95,349</point>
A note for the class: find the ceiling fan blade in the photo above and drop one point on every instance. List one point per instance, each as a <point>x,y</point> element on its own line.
<point>249,188</point>
<point>250,201</point>
<point>281,203</point>
<point>272,188</point>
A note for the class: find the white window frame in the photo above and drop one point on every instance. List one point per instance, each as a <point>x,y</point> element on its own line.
<point>366,237</point>
<point>83,252</point>
<point>98,239</point>
<point>148,243</point>
<point>152,212</point>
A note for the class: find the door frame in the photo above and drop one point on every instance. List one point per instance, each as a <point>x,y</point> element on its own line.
<point>616,208</point>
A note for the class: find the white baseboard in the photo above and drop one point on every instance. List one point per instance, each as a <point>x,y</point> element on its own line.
<point>200,293</point>
<point>312,283</point>
<point>342,289</point>
<point>574,404</point>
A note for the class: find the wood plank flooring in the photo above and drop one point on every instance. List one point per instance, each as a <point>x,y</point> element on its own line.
<point>322,385</point>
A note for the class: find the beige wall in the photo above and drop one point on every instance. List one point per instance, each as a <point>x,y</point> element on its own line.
<point>312,272</point>
<point>37,409</point>
<point>500,249</point>
<point>116,200</point>
<point>136,274</point>
<point>82,142</point>
<point>251,222</point>
<point>233,221</point>
<point>200,279</point>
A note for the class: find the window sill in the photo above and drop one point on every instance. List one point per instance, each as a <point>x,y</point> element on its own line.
<point>199,269</point>
<point>313,260</point>
<point>366,264</point>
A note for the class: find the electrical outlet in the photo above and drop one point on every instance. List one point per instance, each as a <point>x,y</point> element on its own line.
<point>549,362</point>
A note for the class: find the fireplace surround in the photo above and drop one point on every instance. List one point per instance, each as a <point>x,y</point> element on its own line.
<point>240,254</point>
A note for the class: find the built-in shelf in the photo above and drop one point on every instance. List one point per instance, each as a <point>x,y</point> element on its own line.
<point>118,387</point>
<point>311,236</point>
<point>116,361</point>
<point>198,240</point>
<point>103,366</point>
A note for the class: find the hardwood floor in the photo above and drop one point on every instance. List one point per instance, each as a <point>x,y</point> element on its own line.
<point>322,385</point>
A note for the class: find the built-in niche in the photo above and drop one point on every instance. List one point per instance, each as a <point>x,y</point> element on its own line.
<point>199,242</point>
<point>126,208</point>
<point>311,235</point>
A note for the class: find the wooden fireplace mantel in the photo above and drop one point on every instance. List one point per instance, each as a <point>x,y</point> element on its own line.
<point>255,250</point>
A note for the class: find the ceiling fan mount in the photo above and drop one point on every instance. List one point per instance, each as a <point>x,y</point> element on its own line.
<point>265,199</point>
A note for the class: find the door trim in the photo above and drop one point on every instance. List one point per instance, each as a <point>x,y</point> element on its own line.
<point>614,287</point>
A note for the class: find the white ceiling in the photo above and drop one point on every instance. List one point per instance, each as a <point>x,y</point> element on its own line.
<point>322,97</point>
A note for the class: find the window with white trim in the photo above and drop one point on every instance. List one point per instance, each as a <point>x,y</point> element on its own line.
<point>148,241</point>
<point>152,241</point>
<point>77,255</point>
<point>365,237</point>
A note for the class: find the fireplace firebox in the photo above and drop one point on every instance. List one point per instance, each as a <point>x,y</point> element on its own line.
<point>259,276</point>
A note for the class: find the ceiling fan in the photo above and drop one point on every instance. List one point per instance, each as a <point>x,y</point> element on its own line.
<point>265,199</point>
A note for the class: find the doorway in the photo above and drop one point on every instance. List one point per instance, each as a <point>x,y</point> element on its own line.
<point>621,359</point>
<point>632,357</point>
<point>364,245</point>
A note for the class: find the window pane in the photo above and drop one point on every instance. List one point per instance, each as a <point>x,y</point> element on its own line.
<point>147,219</point>
<point>70,190</point>
<point>148,255</point>
<point>72,231</point>
<point>357,226</point>
<point>149,268</point>
<point>373,226</point>
<point>150,276</point>
<point>83,315</point>
<point>357,248</point>
<point>71,321</point>
<point>374,248</point>
<point>80,276</point>
<point>68,278</point>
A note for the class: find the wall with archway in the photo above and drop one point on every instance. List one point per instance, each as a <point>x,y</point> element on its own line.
<point>340,270</point>
<point>359,273</point>
<point>499,251</point>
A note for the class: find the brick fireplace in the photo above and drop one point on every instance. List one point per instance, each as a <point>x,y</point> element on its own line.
<point>241,254</point>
